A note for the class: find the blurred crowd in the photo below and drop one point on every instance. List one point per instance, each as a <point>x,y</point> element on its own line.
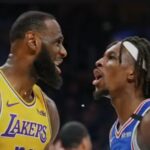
<point>87,28</point>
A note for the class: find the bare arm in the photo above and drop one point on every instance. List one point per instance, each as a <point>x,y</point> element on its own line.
<point>54,117</point>
<point>143,134</point>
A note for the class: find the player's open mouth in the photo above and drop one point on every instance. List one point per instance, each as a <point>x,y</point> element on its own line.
<point>97,80</point>
<point>58,69</point>
<point>98,76</point>
<point>57,63</point>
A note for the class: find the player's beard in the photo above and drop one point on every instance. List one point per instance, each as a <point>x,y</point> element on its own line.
<point>45,69</point>
<point>98,94</point>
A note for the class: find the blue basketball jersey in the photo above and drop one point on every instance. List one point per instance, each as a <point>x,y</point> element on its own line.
<point>125,138</point>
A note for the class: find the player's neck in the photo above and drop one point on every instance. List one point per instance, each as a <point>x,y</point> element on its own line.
<point>125,106</point>
<point>22,82</point>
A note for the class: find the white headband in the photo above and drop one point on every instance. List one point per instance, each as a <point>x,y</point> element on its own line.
<point>132,49</point>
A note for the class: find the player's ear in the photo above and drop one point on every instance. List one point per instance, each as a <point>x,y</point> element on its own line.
<point>33,41</point>
<point>131,74</point>
<point>83,144</point>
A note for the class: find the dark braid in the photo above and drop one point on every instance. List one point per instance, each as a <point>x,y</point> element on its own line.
<point>143,76</point>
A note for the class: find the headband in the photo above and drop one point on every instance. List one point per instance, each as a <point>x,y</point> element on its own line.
<point>133,50</point>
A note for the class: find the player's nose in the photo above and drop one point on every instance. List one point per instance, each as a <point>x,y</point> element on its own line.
<point>63,52</point>
<point>99,62</point>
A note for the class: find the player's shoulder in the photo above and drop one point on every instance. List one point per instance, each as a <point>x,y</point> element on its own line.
<point>47,99</point>
<point>54,116</point>
<point>144,131</point>
<point>50,102</point>
<point>146,120</point>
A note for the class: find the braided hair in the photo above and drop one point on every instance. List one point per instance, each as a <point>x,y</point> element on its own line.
<point>142,75</point>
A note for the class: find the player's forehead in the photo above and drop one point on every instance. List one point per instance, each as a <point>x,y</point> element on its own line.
<point>53,31</point>
<point>53,26</point>
<point>115,48</point>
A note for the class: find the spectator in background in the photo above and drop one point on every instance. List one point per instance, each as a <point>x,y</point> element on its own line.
<point>73,136</point>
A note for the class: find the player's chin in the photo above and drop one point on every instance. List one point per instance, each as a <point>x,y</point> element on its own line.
<point>57,84</point>
<point>99,93</point>
<point>54,82</point>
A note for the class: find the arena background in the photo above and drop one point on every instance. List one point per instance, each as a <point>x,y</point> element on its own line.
<point>88,26</point>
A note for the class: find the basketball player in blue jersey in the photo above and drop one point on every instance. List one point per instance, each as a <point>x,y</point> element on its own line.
<point>124,74</point>
<point>28,117</point>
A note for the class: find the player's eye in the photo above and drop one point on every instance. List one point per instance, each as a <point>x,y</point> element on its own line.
<point>112,56</point>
